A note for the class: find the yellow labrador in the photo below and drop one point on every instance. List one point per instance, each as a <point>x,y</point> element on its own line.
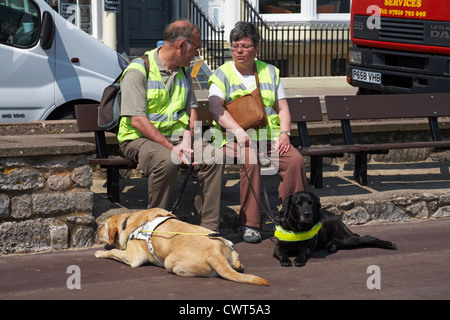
<point>182,248</point>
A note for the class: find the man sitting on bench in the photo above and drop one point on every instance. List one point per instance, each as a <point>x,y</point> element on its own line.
<point>161,106</point>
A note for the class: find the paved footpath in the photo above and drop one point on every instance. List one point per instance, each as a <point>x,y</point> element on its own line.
<point>419,269</point>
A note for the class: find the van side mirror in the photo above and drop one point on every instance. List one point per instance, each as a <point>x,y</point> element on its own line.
<point>47,31</point>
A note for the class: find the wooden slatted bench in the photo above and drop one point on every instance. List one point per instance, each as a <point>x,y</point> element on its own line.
<point>87,115</point>
<point>303,110</point>
<point>308,109</point>
<point>401,106</point>
<point>204,115</point>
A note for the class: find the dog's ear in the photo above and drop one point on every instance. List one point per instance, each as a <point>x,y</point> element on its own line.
<point>284,211</point>
<point>112,233</point>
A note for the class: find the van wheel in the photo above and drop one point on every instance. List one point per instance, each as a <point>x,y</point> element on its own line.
<point>63,114</point>
<point>67,111</point>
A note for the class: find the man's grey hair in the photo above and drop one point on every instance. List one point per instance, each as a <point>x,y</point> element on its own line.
<point>181,29</point>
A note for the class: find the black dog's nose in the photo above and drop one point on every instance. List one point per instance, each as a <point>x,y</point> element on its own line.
<point>307,215</point>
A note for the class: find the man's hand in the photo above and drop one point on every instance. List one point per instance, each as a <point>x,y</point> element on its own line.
<point>182,153</point>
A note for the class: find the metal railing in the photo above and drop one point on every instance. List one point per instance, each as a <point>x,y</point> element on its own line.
<point>307,50</point>
<point>213,50</point>
<point>304,50</point>
<point>298,50</point>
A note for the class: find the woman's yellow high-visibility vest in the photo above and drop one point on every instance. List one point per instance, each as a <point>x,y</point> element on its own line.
<point>226,78</point>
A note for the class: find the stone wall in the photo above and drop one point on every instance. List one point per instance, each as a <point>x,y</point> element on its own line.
<point>45,201</point>
<point>397,208</point>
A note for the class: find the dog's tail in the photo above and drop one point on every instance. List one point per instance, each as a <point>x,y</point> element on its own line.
<point>222,266</point>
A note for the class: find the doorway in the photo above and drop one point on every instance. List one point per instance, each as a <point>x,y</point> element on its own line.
<point>140,25</point>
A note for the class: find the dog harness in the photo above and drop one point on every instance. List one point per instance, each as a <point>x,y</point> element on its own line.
<point>145,232</point>
<point>286,235</point>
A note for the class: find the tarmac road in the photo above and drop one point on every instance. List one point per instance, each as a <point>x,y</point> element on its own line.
<point>419,269</point>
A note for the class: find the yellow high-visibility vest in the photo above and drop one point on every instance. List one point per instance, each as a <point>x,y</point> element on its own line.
<point>226,78</point>
<point>165,112</point>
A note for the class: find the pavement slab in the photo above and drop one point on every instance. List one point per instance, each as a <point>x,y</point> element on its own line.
<point>417,270</point>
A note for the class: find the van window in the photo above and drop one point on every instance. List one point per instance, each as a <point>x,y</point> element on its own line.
<point>19,23</point>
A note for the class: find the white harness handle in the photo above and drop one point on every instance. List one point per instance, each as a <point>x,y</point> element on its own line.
<point>144,232</point>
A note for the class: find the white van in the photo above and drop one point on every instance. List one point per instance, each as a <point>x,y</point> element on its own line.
<point>47,65</point>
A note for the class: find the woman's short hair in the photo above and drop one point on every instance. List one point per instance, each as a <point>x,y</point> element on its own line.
<point>244,29</point>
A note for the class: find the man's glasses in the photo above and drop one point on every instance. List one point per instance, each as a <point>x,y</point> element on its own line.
<point>198,48</point>
<point>236,47</point>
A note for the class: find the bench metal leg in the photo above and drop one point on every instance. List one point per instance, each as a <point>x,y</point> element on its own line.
<point>360,172</point>
<point>317,171</point>
<point>113,184</point>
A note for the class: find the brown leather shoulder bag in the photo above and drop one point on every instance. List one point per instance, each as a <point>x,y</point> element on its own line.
<point>248,110</point>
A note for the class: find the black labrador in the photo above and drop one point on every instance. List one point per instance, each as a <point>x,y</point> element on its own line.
<point>303,227</point>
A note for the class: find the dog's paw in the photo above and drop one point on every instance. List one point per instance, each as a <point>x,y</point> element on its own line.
<point>99,254</point>
<point>286,263</point>
<point>390,245</point>
<point>299,262</point>
<point>332,248</point>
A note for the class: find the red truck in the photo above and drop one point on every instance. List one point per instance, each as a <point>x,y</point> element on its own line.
<point>400,46</point>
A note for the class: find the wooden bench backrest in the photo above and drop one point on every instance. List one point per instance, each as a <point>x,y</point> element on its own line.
<point>304,110</point>
<point>429,105</point>
<point>87,115</point>
<point>388,106</point>
<point>203,113</point>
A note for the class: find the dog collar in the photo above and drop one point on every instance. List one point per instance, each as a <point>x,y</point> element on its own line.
<point>286,235</point>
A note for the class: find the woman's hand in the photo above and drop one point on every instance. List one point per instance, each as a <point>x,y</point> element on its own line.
<point>242,138</point>
<point>283,144</point>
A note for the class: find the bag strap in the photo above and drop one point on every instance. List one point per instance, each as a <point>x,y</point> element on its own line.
<point>270,214</point>
<point>256,76</point>
<point>146,62</point>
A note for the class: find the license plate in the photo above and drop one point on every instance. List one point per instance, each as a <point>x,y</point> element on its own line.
<point>366,76</point>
